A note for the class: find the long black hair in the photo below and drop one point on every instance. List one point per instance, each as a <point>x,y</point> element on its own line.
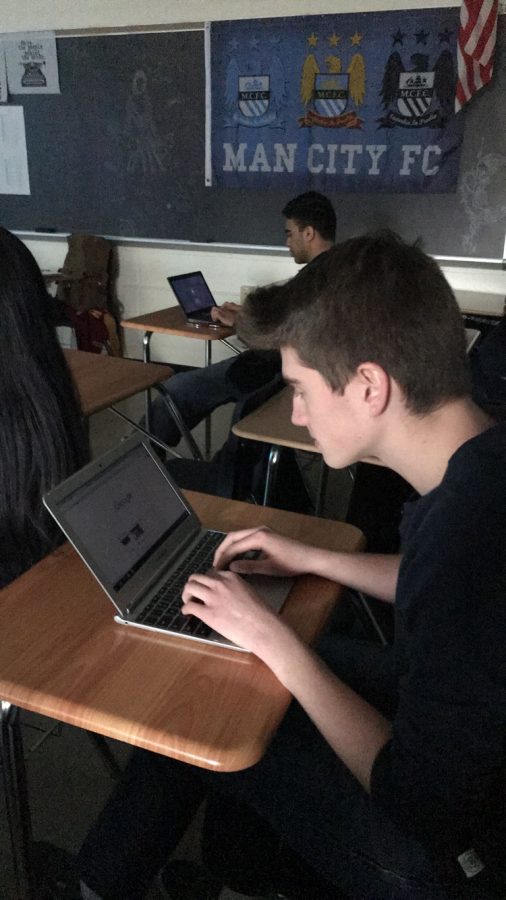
<point>43,436</point>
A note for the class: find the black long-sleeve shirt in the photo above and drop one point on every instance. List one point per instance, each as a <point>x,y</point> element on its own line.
<point>443,770</point>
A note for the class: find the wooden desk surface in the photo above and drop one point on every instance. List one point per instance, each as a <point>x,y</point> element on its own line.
<point>104,380</point>
<point>173,321</point>
<point>271,423</point>
<point>63,656</point>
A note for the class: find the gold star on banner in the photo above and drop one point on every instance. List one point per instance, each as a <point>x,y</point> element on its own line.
<point>356,39</point>
<point>312,40</point>
<point>334,40</point>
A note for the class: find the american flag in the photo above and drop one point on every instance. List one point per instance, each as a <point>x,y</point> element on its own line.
<point>476,47</point>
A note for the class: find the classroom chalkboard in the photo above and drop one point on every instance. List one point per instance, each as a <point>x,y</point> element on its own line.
<point>121,152</point>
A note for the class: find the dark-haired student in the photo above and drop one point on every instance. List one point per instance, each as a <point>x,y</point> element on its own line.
<point>388,774</point>
<point>310,227</point>
<point>43,437</point>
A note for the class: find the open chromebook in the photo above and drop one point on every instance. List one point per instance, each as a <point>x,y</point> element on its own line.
<point>141,539</point>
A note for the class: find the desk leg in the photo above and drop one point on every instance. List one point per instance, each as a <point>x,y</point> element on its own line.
<point>146,340</point>
<point>272,465</point>
<point>146,355</point>
<point>16,796</point>
<point>230,346</point>
<point>176,415</point>
<point>146,433</point>
<point>207,423</point>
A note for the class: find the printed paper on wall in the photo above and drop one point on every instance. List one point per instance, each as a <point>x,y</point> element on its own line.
<point>32,63</point>
<point>13,156</point>
<point>3,76</point>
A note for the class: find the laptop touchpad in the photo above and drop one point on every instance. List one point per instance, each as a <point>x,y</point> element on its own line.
<point>273,591</point>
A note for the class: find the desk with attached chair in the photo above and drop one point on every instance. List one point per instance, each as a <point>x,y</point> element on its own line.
<point>210,706</point>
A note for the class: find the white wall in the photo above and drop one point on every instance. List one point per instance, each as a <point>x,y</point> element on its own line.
<point>20,15</point>
<point>142,286</point>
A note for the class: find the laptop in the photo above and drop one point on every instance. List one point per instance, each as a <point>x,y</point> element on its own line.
<point>194,297</point>
<point>141,540</point>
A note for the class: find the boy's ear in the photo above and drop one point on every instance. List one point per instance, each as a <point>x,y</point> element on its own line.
<point>309,232</point>
<point>375,387</point>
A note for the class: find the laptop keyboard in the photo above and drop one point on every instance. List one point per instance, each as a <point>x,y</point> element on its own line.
<point>164,609</point>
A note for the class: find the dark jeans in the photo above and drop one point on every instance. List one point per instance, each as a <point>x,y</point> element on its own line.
<point>196,393</point>
<point>300,787</point>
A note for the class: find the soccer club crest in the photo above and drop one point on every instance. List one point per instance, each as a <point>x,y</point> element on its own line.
<point>329,94</point>
<point>254,100</point>
<point>419,97</point>
<point>254,95</point>
<point>414,94</point>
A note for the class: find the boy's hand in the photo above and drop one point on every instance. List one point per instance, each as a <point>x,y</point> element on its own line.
<point>279,555</point>
<point>226,603</point>
<point>225,314</point>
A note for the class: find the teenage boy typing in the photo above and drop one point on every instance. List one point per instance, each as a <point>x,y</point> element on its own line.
<point>389,775</point>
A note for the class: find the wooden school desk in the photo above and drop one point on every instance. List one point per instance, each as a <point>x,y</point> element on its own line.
<point>102,381</point>
<point>63,656</point>
<point>173,321</point>
<point>272,424</point>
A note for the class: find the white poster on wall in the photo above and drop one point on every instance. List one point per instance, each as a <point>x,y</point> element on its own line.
<point>32,63</point>
<point>13,156</point>
<point>3,76</point>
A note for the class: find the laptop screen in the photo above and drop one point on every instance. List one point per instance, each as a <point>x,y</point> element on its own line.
<point>192,292</point>
<point>123,514</point>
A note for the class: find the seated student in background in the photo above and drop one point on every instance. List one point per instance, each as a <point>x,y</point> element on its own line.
<point>43,437</point>
<point>388,775</point>
<point>310,231</point>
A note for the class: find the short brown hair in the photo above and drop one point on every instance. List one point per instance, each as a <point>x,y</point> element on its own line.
<point>370,299</point>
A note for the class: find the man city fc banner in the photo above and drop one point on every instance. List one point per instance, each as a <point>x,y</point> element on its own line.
<point>352,102</point>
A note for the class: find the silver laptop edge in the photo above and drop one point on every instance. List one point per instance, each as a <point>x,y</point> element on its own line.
<point>132,591</point>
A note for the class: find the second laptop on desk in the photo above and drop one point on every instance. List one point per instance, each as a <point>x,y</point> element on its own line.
<point>194,297</point>
<point>141,539</point>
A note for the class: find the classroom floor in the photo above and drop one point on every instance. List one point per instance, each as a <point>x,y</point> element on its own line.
<point>68,781</point>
